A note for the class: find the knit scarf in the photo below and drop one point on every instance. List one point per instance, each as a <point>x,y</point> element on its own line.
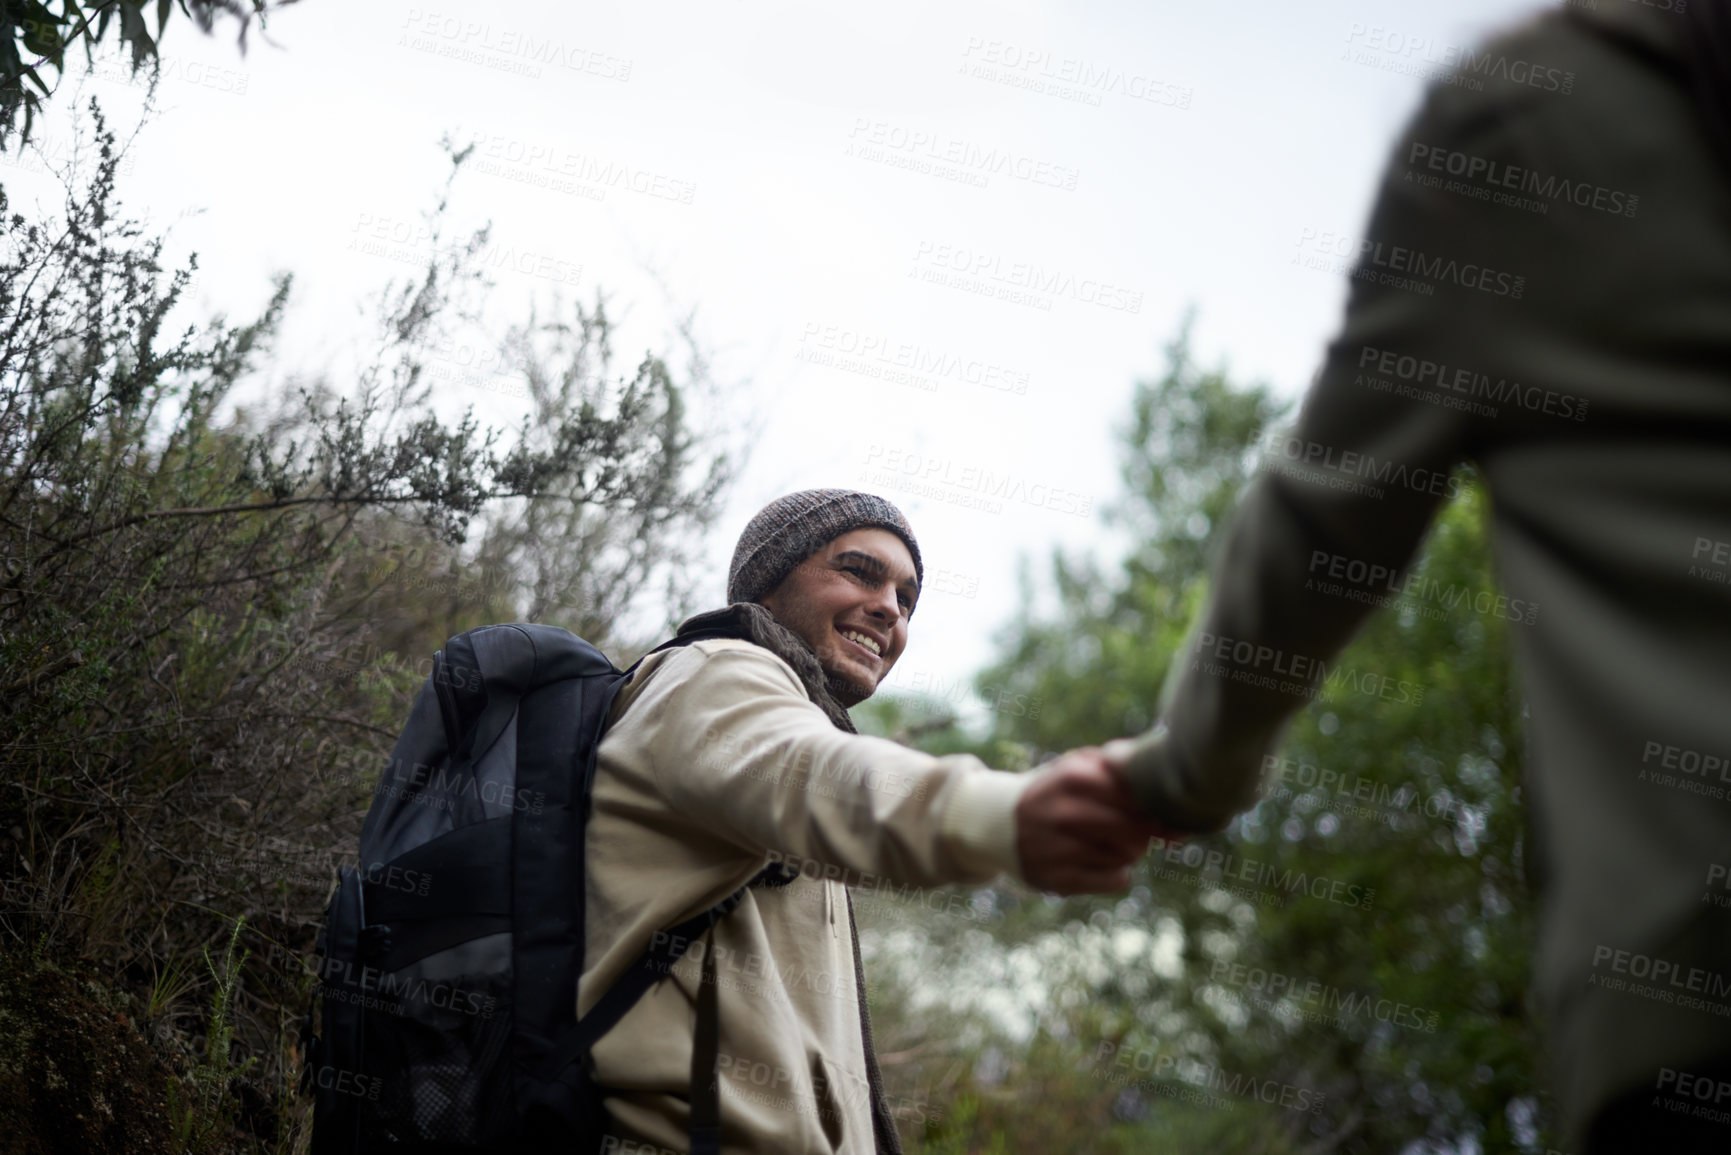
<point>750,622</point>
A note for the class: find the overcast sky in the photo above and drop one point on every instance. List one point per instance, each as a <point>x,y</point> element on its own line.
<point>933,244</point>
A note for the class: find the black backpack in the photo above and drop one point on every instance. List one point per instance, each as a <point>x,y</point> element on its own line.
<point>450,956</point>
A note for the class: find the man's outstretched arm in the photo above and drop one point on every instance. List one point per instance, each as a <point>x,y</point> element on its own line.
<point>1345,497</point>
<point>735,744</point>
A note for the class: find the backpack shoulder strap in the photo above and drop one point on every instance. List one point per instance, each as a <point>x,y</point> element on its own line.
<point>664,950</point>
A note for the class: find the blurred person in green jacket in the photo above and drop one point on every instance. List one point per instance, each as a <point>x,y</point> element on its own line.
<point>1544,290</point>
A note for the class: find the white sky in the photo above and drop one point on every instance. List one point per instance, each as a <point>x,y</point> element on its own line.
<point>1205,140</point>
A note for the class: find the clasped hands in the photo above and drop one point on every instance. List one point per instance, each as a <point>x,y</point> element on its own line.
<point>1078,826</point>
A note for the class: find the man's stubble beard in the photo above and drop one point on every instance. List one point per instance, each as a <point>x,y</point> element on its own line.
<point>845,690</point>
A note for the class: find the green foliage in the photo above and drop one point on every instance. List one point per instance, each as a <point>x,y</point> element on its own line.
<point>1395,1002</point>
<point>201,1115</point>
<point>214,617</point>
<point>35,35</point>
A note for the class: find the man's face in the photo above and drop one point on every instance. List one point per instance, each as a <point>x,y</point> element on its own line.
<point>850,602</point>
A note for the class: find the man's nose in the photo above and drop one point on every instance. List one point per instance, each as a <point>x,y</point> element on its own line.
<point>885,606</point>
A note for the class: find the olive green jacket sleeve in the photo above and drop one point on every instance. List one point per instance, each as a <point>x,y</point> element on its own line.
<point>1358,477</point>
<point>1491,299</point>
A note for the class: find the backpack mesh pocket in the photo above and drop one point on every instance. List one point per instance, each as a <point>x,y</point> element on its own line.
<point>447,1051</point>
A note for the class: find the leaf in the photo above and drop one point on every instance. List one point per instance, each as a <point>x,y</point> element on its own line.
<point>37,80</point>
<point>163,8</point>
<point>41,30</point>
<point>134,31</point>
<point>45,48</point>
<point>37,13</point>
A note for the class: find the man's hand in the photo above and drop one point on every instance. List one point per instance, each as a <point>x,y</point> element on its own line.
<point>1078,828</point>
<point>1144,758</point>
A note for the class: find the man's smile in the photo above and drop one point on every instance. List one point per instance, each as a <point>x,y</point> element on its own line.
<point>871,645</point>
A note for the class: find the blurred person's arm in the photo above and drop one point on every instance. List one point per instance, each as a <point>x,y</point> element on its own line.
<point>1344,498</point>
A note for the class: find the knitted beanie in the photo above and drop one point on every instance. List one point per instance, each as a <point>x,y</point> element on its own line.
<point>790,529</point>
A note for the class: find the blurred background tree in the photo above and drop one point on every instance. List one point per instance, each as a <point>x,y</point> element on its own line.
<point>1166,1020</point>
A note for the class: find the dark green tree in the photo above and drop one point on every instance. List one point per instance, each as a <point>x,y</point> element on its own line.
<point>35,35</point>
<point>1358,943</point>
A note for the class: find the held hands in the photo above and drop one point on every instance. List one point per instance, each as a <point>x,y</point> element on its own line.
<point>1078,828</point>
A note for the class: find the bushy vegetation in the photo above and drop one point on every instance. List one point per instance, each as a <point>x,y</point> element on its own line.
<point>213,616</point>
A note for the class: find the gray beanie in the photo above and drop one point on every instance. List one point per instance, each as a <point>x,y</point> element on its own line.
<point>790,529</point>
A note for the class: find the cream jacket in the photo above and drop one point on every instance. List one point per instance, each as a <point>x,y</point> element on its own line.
<point>717,763</point>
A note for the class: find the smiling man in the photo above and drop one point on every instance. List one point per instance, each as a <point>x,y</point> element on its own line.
<point>732,762</point>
